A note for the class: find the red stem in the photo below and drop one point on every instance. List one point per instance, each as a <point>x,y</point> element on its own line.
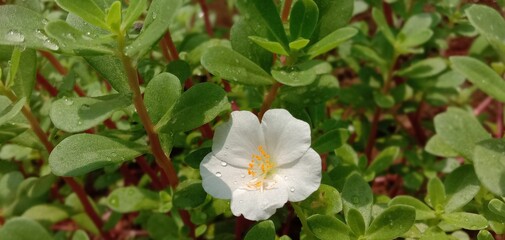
<point>373,134</point>
<point>482,106</point>
<point>388,13</point>
<point>269,99</point>
<point>241,224</point>
<point>169,43</point>
<point>61,69</point>
<point>285,10</point>
<point>206,19</point>
<point>46,85</point>
<point>142,162</point>
<point>77,188</point>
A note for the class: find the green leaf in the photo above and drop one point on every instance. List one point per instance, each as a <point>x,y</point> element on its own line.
<point>424,68</point>
<point>434,233</point>
<point>415,31</point>
<point>328,228</point>
<point>80,113</point>
<point>111,68</point>
<point>298,44</point>
<point>347,154</point>
<point>423,212</point>
<point>392,223</point>
<point>262,230</point>
<point>497,206</point>
<point>461,186</point>
<point>194,158</point>
<point>460,131</point>
<point>294,76</point>
<point>113,18</point>
<point>355,222</point>
<point>331,41</point>
<point>466,220</point>
<point>22,26</point>
<point>24,80</point>
<point>383,100</point>
<point>133,12</point>
<point>268,45</point>
<point>331,140</point>
<point>87,10</point>
<point>484,235</point>
<point>265,13</point>
<point>240,42</point>
<point>322,89</point>
<point>357,194</point>
<point>11,111</point>
<point>438,147</point>
<point>21,228</point>
<point>383,26</point>
<point>161,94</point>
<point>332,16</point>
<point>189,194</point>
<point>80,235</point>
<point>157,21</point>
<point>230,65</point>
<point>326,200</point>
<point>75,40</point>
<point>436,193</point>
<point>481,76</point>
<point>9,131</point>
<point>384,159</point>
<point>303,19</point>
<point>489,23</point>
<point>82,153</point>
<point>46,213</point>
<point>180,68</point>
<point>489,163</point>
<point>197,106</point>
<point>132,199</point>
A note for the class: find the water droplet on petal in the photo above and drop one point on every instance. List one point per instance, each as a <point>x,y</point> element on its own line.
<point>292,189</point>
<point>235,182</point>
<point>224,164</point>
<point>240,201</point>
<point>218,174</point>
<point>242,175</point>
<point>285,177</point>
<point>15,36</point>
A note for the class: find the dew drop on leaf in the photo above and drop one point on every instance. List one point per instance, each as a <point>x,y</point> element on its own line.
<point>114,201</point>
<point>15,36</point>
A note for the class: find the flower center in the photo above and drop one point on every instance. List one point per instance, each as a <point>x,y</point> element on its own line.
<point>261,169</point>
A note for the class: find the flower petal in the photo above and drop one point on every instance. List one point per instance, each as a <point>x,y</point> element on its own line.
<point>303,176</point>
<point>286,137</point>
<point>220,179</point>
<point>236,140</point>
<point>258,205</point>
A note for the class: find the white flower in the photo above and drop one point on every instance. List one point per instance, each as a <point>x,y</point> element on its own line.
<point>261,166</point>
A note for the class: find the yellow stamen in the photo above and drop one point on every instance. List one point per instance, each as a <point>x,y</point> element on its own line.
<point>260,162</point>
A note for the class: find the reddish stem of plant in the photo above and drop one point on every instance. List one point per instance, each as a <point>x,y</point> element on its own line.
<point>418,129</point>
<point>61,69</point>
<point>206,18</point>
<point>269,99</point>
<point>388,13</point>
<point>142,162</point>
<point>77,188</point>
<point>373,134</point>
<point>169,43</point>
<point>46,85</point>
<point>241,225</point>
<point>482,106</point>
<point>499,120</point>
<point>285,10</point>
